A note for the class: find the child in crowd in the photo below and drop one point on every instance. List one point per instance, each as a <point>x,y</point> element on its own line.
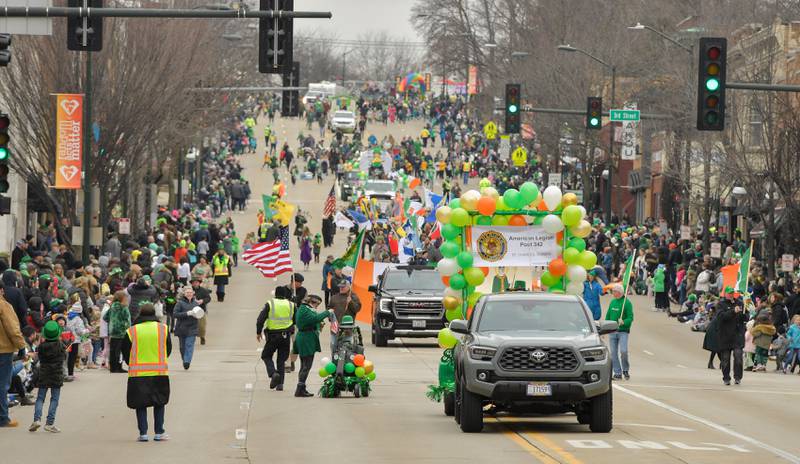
<point>51,354</point>
<point>96,339</point>
<point>779,347</point>
<point>762,333</point>
<point>317,245</point>
<point>793,354</point>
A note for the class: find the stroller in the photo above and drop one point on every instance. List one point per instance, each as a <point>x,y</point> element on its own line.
<point>348,357</point>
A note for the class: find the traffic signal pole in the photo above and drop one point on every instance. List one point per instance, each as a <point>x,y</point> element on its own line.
<point>87,160</point>
<point>609,182</point>
<point>62,12</point>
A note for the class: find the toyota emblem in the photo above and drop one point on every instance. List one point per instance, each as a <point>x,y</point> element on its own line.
<point>538,356</point>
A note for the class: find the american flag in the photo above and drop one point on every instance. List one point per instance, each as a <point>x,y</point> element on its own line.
<point>271,258</point>
<point>330,205</point>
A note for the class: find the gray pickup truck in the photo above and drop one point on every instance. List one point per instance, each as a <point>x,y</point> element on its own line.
<point>532,353</point>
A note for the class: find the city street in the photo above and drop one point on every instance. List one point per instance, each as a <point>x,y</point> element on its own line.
<point>673,409</point>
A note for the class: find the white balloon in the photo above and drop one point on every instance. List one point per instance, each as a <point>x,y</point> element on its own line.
<point>325,360</point>
<point>575,288</point>
<point>576,274</point>
<point>452,292</point>
<point>552,224</point>
<point>552,197</point>
<point>583,211</point>
<point>447,267</point>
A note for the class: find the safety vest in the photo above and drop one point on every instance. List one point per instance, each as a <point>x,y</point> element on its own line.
<point>262,231</point>
<point>220,265</point>
<point>281,313</point>
<point>148,350</point>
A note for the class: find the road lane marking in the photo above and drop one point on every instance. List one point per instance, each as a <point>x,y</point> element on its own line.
<point>664,427</point>
<point>649,353</point>
<point>241,434</point>
<point>566,456</point>
<point>530,447</point>
<point>681,366</point>
<point>721,428</point>
<point>652,445</point>
<point>713,388</point>
<point>248,387</point>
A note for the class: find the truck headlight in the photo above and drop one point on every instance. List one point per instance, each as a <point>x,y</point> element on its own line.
<point>482,353</point>
<point>594,354</point>
<point>385,306</point>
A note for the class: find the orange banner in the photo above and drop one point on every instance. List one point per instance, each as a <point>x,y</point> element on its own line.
<point>69,141</point>
<point>472,86</point>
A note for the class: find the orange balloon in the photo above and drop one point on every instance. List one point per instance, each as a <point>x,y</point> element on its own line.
<point>487,206</point>
<point>446,280</point>
<point>358,360</point>
<point>560,237</point>
<point>557,267</point>
<point>517,220</point>
<point>485,271</point>
<point>542,206</point>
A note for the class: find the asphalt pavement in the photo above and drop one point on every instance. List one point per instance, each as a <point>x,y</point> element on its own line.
<point>673,409</point>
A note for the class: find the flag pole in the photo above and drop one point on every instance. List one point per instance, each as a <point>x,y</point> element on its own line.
<point>749,260</point>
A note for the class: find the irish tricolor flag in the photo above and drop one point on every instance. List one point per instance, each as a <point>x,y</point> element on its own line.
<point>626,276</point>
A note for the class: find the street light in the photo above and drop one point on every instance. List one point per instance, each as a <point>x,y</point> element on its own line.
<point>570,48</point>
<point>641,27</point>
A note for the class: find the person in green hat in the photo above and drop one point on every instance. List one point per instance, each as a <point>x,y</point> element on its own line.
<point>620,310</point>
<point>306,342</point>
<point>51,354</point>
<point>729,327</point>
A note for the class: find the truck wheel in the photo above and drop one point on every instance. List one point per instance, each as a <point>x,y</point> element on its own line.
<point>379,339</point>
<point>357,391</point>
<point>471,411</point>
<point>601,413</point>
<point>449,404</point>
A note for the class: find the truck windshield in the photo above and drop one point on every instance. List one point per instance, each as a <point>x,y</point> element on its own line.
<point>417,281</point>
<point>515,315</point>
<point>382,187</point>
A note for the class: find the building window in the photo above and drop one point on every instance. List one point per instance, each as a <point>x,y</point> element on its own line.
<point>756,124</point>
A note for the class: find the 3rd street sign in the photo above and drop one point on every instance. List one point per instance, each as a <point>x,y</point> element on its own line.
<point>624,115</point>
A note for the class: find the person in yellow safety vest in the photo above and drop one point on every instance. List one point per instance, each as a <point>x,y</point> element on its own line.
<point>276,322</point>
<point>146,349</point>
<point>221,266</point>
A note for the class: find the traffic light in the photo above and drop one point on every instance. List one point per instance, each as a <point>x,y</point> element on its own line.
<point>84,34</point>
<point>275,38</point>
<point>513,104</point>
<point>594,113</point>
<point>711,84</point>
<point>5,53</point>
<point>290,99</point>
<point>5,154</point>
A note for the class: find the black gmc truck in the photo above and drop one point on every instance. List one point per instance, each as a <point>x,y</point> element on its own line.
<point>407,303</point>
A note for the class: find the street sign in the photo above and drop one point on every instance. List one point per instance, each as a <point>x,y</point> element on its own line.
<point>554,179</point>
<point>716,250</point>
<point>490,130</point>
<point>519,157</point>
<point>124,226</point>
<point>686,233</point>
<point>624,115</point>
<point>505,147</point>
<point>787,263</point>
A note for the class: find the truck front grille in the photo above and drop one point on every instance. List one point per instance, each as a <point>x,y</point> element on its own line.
<point>418,309</point>
<point>520,359</point>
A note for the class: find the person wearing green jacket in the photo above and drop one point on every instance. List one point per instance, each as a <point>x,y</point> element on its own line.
<point>620,310</point>
<point>235,247</point>
<point>659,288</point>
<point>306,343</point>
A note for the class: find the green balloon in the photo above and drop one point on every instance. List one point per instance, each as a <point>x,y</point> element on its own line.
<point>360,372</point>
<point>499,220</point>
<point>464,259</point>
<point>483,220</point>
<point>349,368</point>
<point>577,243</point>
<point>512,199</point>
<point>470,289</point>
<point>447,339</point>
<point>588,260</point>
<point>330,368</point>
<point>450,232</point>
<point>548,280</point>
<point>529,192</point>
<point>557,287</point>
<point>459,217</point>
<point>457,282</point>
<point>449,249</point>
<point>323,372</point>
<point>473,276</point>
<point>537,220</point>
<point>473,298</point>
<point>454,203</point>
<point>501,205</point>
<point>371,376</point>
<point>572,255</point>
<point>453,314</point>
<point>571,215</point>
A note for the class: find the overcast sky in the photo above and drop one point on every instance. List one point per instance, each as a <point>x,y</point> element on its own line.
<point>354,17</point>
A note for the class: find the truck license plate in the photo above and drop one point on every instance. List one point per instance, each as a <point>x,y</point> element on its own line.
<point>540,389</point>
<point>418,324</point>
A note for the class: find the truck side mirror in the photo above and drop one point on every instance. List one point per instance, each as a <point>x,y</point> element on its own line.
<point>459,326</point>
<point>607,327</point>
<point>373,288</point>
